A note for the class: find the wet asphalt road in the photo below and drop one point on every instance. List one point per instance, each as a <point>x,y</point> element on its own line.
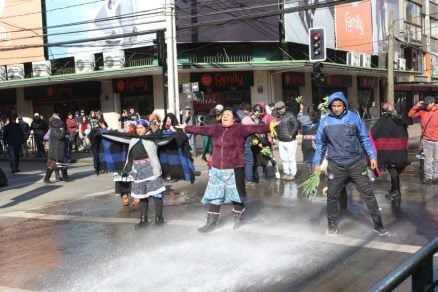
<point>77,236</point>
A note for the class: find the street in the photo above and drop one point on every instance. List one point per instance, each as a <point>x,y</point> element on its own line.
<point>77,236</point>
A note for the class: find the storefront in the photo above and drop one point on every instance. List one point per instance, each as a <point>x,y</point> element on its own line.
<point>365,94</point>
<point>333,83</point>
<point>227,88</point>
<point>8,102</point>
<point>291,83</point>
<point>64,98</point>
<point>136,93</point>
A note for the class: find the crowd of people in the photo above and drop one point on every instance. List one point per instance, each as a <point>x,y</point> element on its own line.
<point>238,147</point>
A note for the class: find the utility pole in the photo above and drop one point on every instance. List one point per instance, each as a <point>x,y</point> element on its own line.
<point>172,66</point>
<point>390,92</point>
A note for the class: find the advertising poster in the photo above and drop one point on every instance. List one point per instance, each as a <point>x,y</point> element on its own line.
<point>297,24</point>
<point>353,27</point>
<point>84,20</point>
<point>381,9</point>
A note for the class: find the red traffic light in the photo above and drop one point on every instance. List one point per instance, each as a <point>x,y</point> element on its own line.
<point>316,36</point>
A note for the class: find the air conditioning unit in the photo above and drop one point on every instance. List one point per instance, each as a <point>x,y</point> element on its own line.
<point>41,69</point>
<point>3,74</point>
<point>365,60</point>
<point>84,63</point>
<point>113,59</point>
<point>15,71</point>
<point>401,64</point>
<point>353,59</point>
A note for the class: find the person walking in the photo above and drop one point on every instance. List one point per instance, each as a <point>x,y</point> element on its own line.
<point>39,128</point>
<point>13,137</point>
<point>56,152</point>
<point>287,144</point>
<point>390,137</point>
<point>26,131</point>
<point>342,137</point>
<point>72,129</point>
<point>226,182</point>
<point>427,111</point>
<point>244,114</point>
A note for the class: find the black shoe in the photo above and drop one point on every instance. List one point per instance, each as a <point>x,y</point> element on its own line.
<point>380,231</point>
<point>332,229</point>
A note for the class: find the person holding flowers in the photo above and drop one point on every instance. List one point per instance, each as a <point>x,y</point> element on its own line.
<point>341,136</point>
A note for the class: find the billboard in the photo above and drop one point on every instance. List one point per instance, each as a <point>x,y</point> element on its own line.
<point>353,27</point>
<point>381,10</point>
<point>297,24</point>
<point>20,25</point>
<point>106,20</point>
<point>229,21</point>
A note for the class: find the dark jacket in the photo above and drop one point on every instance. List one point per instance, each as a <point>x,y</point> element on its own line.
<point>39,126</point>
<point>57,140</point>
<point>13,135</point>
<point>342,138</point>
<point>288,127</point>
<point>390,137</point>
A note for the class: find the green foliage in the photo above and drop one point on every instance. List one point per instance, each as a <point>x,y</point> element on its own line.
<point>310,186</point>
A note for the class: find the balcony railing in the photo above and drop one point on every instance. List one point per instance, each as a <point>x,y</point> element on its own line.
<point>221,59</point>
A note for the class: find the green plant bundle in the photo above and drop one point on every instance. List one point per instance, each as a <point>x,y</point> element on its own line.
<point>299,99</point>
<point>310,186</point>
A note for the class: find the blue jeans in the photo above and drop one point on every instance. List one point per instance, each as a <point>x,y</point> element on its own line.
<point>14,156</point>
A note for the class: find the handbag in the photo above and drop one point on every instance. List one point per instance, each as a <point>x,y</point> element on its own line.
<point>47,136</point>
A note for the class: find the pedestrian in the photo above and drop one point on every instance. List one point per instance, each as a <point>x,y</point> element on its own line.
<point>342,137</point>
<point>226,182</point>
<point>244,114</point>
<point>188,120</point>
<point>13,137</point>
<point>26,131</point>
<point>39,128</point>
<point>84,129</point>
<point>427,111</point>
<point>133,116</point>
<point>260,147</point>
<point>309,125</point>
<point>123,118</point>
<point>391,140</point>
<point>72,129</point>
<point>56,152</point>
<point>287,144</point>
<point>155,122</point>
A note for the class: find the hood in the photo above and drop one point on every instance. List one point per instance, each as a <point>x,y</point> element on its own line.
<point>337,95</point>
<point>56,123</point>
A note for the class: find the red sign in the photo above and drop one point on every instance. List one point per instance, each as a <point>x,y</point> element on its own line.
<point>293,79</point>
<point>135,85</point>
<point>223,79</point>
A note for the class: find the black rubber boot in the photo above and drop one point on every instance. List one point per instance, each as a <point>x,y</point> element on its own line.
<point>144,203</point>
<point>396,199</point>
<point>211,222</point>
<point>332,227</point>
<point>65,176</point>
<point>48,175</point>
<point>159,220</point>
<point>57,175</point>
<point>238,218</point>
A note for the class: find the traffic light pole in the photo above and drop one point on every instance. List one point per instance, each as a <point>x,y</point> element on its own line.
<point>390,89</point>
<point>172,66</point>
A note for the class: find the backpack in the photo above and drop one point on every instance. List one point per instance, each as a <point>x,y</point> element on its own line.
<point>3,179</point>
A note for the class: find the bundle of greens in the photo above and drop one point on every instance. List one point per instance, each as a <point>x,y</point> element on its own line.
<point>299,99</point>
<point>310,186</point>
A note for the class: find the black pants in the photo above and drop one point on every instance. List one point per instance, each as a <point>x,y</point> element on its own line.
<point>338,176</point>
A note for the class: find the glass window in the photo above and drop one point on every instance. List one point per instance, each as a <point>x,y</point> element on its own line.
<point>413,13</point>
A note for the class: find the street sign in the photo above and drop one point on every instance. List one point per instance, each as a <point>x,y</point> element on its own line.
<point>187,88</point>
<point>195,86</point>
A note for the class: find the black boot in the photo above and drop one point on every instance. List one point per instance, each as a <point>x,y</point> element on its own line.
<point>65,176</point>
<point>378,225</point>
<point>159,220</point>
<point>48,175</point>
<point>396,199</point>
<point>332,227</point>
<point>57,175</point>
<point>144,203</point>
<point>238,218</point>
<point>211,222</point>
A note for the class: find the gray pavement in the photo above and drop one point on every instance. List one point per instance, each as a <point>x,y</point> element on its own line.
<point>77,236</point>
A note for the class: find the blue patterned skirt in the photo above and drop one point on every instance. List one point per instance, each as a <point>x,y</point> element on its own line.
<point>222,188</point>
<point>144,185</point>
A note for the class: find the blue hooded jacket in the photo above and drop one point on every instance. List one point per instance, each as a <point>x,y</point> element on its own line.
<point>342,138</point>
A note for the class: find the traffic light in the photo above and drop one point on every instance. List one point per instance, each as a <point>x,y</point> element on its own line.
<point>317,51</point>
<point>318,76</point>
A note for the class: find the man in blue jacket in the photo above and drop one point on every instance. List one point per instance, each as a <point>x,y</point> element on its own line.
<point>342,137</point>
